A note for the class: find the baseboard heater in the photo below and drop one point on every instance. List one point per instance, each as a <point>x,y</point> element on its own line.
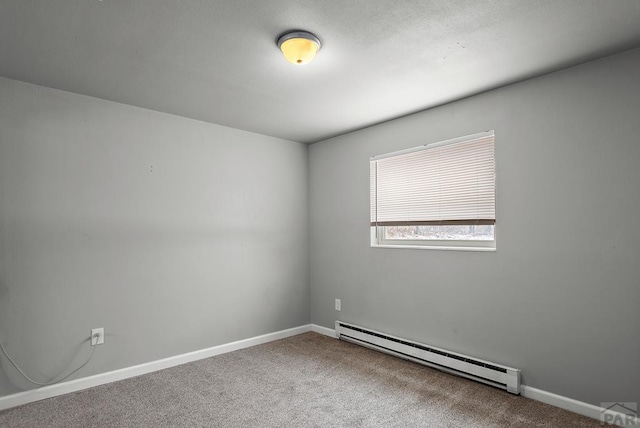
<point>461,365</point>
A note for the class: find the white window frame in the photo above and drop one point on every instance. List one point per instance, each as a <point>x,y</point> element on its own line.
<point>379,240</point>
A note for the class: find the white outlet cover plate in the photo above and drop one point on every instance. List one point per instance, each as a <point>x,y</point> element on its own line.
<point>338,305</point>
<point>100,339</point>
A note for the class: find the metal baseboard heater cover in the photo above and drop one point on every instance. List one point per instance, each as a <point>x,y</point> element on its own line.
<point>451,362</point>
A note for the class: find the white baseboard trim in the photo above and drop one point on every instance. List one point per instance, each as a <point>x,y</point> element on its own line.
<point>323,330</point>
<point>37,394</point>
<point>576,406</point>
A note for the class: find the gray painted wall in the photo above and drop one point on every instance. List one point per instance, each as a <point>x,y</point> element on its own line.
<point>172,234</point>
<point>560,298</point>
<point>151,226</point>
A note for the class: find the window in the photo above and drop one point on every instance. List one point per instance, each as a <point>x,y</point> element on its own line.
<point>440,195</point>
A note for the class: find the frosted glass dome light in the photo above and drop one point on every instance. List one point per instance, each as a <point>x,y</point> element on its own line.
<point>299,47</point>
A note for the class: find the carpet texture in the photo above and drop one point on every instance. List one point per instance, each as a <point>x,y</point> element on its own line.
<point>302,381</point>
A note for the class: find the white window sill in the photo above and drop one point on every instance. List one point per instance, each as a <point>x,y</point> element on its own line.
<point>436,247</point>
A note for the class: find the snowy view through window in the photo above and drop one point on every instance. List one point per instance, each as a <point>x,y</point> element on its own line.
<point>454,233</point>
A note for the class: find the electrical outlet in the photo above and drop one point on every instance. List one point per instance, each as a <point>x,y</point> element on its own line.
<point>97,336</point>
<point>338,305</point>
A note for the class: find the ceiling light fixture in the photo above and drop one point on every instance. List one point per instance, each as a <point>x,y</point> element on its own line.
<point>299,47</point>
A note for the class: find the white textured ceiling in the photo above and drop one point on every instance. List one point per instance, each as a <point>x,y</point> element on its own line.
<point>217,61</point>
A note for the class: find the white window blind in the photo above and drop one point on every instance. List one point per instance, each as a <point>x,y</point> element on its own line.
<point>446,183</point>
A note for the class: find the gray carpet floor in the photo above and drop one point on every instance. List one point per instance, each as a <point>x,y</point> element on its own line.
<point>307,380</point>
